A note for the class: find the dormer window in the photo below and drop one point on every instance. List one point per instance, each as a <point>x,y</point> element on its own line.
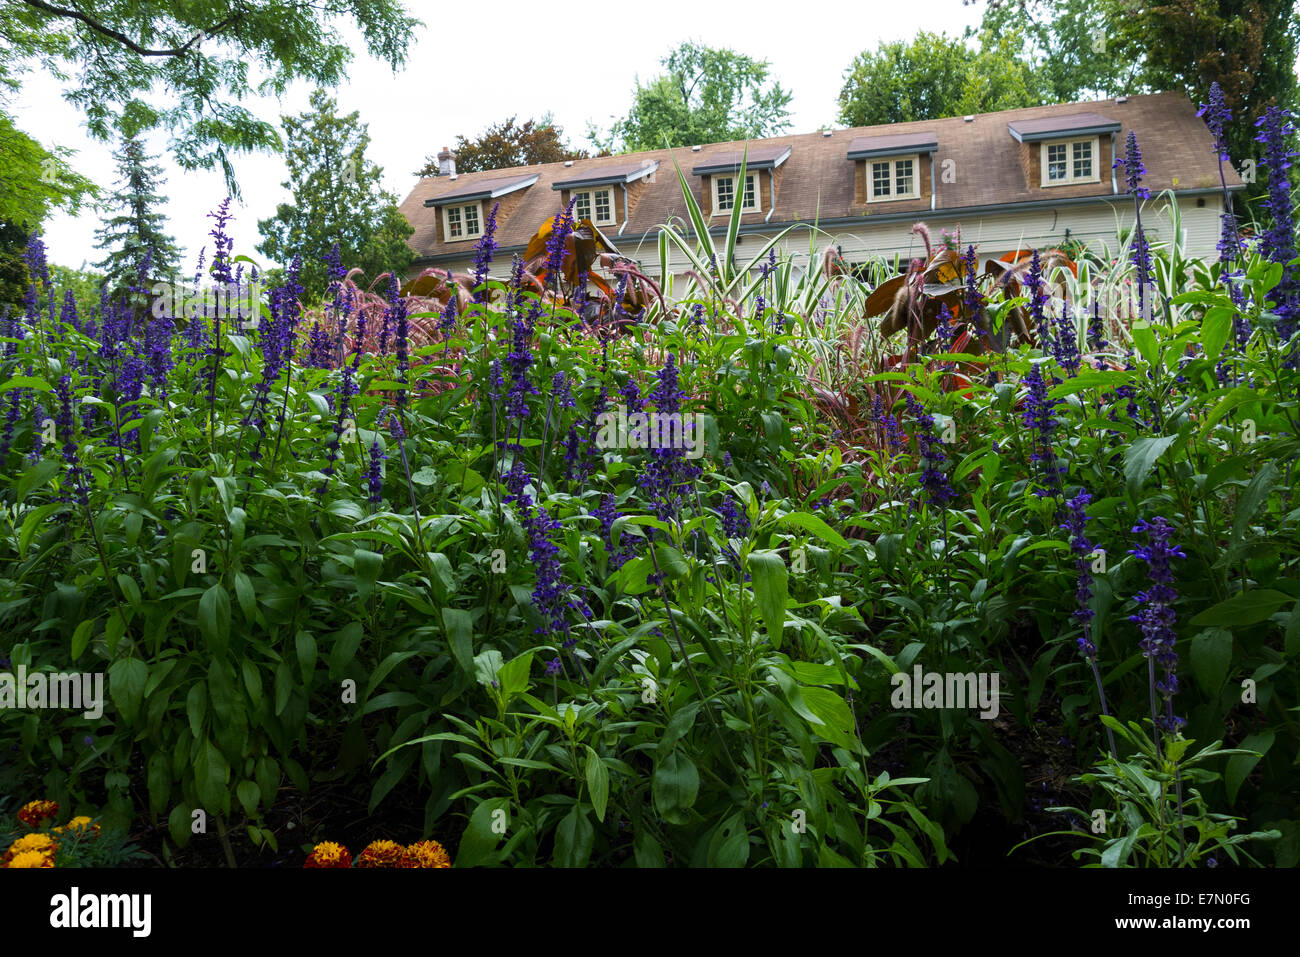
<point>1070,161</point>
<point>724,194</point>
<point>462,205</point>
<point>727,188</point>
<point>893,179</point>
<point>594,204</point>
<point>889,165</point>
<point>1068,146</point>
<point>462,222</point>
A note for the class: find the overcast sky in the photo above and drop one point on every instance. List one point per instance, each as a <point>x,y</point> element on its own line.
<point>470,66</point>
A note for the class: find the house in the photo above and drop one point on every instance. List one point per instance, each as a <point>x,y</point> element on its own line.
<point>1014,179</point>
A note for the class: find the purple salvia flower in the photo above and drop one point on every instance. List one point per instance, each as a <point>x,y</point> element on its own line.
<point>483,250</point>
<point>375,475</point>
<point>1277,244</point>
<point>1040,417</point>
<point>1038,297</point>
<point>933,479</point>
<point>1157,617</point>
<point>561,228</point>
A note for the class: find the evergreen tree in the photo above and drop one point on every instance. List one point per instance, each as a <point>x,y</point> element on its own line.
<point>136,232</point>
<point>336,198</point>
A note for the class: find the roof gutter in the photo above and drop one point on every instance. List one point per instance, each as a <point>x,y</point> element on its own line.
<point>861,220</point>
<point>994,209</point>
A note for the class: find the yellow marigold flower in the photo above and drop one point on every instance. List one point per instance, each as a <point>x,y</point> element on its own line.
<point>80,824</point>
<point>31,859</point>
<point>328,854</point>
<point>34,812</point>
<point>31,843</point>
<point>381,854</point>
<point>427,854</point>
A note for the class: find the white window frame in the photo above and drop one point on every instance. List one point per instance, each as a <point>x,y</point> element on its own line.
<point>1070,178</point>
<point>591,201</point>
<point>893,162</point>
<point>758,192</point>
<point>461,209</point>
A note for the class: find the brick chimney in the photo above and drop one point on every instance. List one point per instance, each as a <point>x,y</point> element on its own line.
<point>446,163</point>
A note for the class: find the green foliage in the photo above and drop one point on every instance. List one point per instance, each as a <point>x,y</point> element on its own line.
<point>276,614</point>
<point>505,144</point>
<point>122,52</point>
<point>934,76</point>
<point>34,180</point>
<point>337,199</point>
<point>707,95</point>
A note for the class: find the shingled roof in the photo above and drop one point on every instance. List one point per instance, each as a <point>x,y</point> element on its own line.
<point>816,181</point>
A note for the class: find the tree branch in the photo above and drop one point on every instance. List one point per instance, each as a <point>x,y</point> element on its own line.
<point>122,38</point>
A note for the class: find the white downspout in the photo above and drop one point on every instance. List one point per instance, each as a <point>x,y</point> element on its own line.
<point>771,194</point>
<point>931,182</point>
<point>1114,183</point>
<point>626,216</point>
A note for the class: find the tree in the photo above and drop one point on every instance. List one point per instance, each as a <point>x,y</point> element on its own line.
<point>136,232</point>
<point>505,145</point>
<point>708,95</point>
<point>935,76</point>
<point>1090,48</point>
<point>33,181</point>
<point>133,65</point>
<point>337,198</point>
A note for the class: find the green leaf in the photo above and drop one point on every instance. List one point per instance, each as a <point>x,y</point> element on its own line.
<point>1244,608</point>
<point>460,637</point>
<point>249,795</point>
<point>1141,457</point>
<point>1240,765</point>
<point>25,382</point>
<point>1211,655</point>
<point>1215,328</point>
<point>479,841</point>
<point>366,565</point>
<point>159,776</point>
<point>486,666</point>
<point>597,783</point>
<point>306,647</point>
<point>126,680</point>
<point>346,642</point>
<point>1256,492</point>
<point>675,785</point>
<point>513,675</point>
<point>574,839</point>
<point>771,591</point>
<point>81,638</point>
<point>211,774</point>
<point>214,618</point>
<point>729,846</point>
<point>811,523</point>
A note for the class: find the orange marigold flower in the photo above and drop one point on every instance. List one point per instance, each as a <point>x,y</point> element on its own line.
<point>34,812</point>
<point>328,854</point>
<point>31,859</point>
<point>381,854</point>
<point>28,844</point>
<point>427,854</point>
<point>80,825</point>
